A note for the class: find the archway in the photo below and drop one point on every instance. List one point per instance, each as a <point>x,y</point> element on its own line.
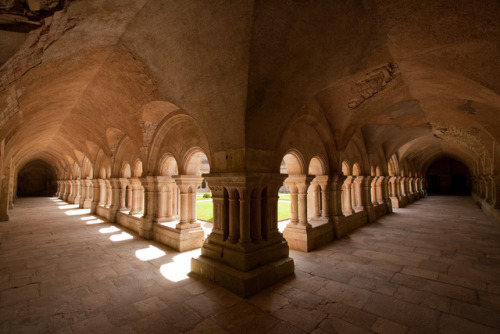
<point>448,176</point>
<point>36,178</point>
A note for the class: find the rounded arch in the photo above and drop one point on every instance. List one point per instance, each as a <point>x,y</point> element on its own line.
<point>193,161</point>
<point>393,166</point>
<point>137,169</point>
<point>126,171</point>
<point>356,170</point>
<point>87,169</point>
<point>76,172</point>
<point>36,178</point>
<point>168,165</point>
<point>103,165</point>
<point>346,168</point>
<point>317,166</point>
<point>126,150</point>
<point>177,135</point>
<point>315,140</point>
<point>294,162</point>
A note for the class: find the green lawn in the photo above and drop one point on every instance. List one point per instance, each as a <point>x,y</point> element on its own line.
<point>283,210</point>
<point>204,210</point>
<point>285,197</point>
<point>200,196</point>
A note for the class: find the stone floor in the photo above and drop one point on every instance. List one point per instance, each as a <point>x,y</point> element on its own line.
<point>433,267</point>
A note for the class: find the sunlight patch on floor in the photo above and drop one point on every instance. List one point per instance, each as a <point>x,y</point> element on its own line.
<point>120,237</point>
<point>110,229</point>
<point>149,253</point>
<point>69,206</point>
<point>77,212</point>
<point>178,269</point>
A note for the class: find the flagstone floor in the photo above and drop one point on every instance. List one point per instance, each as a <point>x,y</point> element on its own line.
<point>432,267</point>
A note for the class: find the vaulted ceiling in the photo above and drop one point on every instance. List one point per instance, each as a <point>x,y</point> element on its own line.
<point>416,78</point>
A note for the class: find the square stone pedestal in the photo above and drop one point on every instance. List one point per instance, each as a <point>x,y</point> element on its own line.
<point>242,283</point>
<point>305,239</point>
<point>178,239</point>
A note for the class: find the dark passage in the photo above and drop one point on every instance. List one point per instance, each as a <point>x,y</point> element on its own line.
<point>37,178</point>
<point>448,177</point>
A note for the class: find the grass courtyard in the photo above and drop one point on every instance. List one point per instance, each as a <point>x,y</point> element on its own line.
<point>204,207</point>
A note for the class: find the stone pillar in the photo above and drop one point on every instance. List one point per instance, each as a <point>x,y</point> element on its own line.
<point>336,185</point>
<point>186,233</point>
<point>150,186</point>
<point>357,193</point>
<point>346,196</point>
<point>114,206</point>
<point>164,198</point>
<point>495,190</point>
<point>67,190</point>
<point>294,203</point>
<point>102,192</point>
<point>394,191</point>
<point>408,189</point>
<point>137,197</point>
<point>254,261</point>
<point>123,194</point>
<point>78,189</point>
<point>63,189</point>
<point>58,192</point>
<point>96,192</point>
<point>4,198</point>
<point>83,193</point>
<point>366,200</point>
<point>109,193</point>
<point>322,181</point>
<point>188,184</point>
<point>385,192</point>
<point>87,201</point>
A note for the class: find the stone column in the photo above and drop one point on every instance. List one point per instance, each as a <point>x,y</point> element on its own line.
<point>137,199</point>
<point>408,190</point>
<point>357,194</point>
<point>123,194</point>
<point>4,198</point>
<point>96,191</point>
<point>385,192</point>
<point>114,206</point>
<point>294,202</point>
<point>109,193</point>
<point>67,190</point>
<point>88,193</point>
<point>395,197</point>
<point>302,188</point>
<point>63,189</point>
<point>150,210</point>
<point>322,181</point>
<point>253,262</point>
<point>366,200</point>
<point>83,193</point>
<point>102,192</point>
<point>188,184</point>
<point>346,195</point>
<point>495,190</point>
<point>78,189</point>
<point>58,192</point>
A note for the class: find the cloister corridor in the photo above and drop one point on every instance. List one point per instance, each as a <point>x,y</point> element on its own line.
<point>432,267</point>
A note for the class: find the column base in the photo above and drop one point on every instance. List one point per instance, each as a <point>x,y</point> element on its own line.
<point>87,204</point>
<point>242,283</point>
<point>304,239</point>
<point>395,202</point>
<point>180,240</point>
<point>4,217</point>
